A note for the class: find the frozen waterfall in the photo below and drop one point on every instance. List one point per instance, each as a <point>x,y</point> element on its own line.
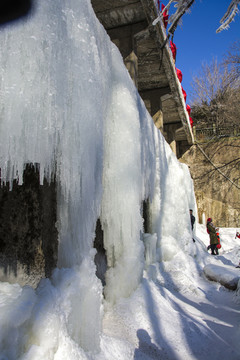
<point>68,103</point>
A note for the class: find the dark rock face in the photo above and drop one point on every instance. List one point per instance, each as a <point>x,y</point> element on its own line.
<point>28,236</point>
<point>100,257</point>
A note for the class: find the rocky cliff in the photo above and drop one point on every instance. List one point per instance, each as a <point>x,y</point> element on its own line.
<point>215,169</point>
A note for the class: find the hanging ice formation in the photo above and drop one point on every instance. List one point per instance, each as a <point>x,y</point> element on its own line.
<point>229,16</point>
<point>68,103</point>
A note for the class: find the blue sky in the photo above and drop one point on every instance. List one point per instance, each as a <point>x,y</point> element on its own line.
<point>196,39</point>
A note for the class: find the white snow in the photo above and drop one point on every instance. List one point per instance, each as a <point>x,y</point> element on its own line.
<point>225,275</point>
<point>176,312</point>
<point>67,102</point>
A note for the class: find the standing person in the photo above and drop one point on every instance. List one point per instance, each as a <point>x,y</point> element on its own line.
<point>213,236</point>
<point>237,236</point>
<point>192,218</point>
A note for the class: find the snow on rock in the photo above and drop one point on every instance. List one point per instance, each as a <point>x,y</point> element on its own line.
<point>225,275</point>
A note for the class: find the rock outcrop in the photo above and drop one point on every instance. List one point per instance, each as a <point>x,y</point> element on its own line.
<point>217,193</point>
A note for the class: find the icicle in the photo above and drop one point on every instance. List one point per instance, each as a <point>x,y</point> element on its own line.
<point>182,7</point>
<point>229,16</point>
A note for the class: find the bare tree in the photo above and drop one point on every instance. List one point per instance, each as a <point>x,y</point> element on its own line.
<point>215,93</point>
<point>232,58</point>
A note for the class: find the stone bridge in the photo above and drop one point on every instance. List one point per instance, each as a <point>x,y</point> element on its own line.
<point>151,66</point>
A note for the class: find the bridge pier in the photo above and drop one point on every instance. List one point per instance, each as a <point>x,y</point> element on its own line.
<point>151,66</point>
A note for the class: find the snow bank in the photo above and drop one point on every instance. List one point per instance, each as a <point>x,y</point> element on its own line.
<point>225,275</point>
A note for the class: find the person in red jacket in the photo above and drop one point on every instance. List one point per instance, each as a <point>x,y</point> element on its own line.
<point>218,236</point>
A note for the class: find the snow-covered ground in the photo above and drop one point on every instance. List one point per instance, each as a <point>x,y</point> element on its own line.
<point>177,313</point>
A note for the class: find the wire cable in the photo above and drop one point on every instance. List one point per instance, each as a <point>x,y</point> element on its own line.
<point>206,156</point>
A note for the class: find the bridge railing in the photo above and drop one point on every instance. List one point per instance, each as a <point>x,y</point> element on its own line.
<point>210,132</point>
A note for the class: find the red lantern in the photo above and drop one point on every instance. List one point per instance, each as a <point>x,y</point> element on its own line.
<point>184,94</point>
<point>191,121</point>
<point>174,49</point>
<point>179,75</point>
<point>165,16</point>
<point>188,109</point>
